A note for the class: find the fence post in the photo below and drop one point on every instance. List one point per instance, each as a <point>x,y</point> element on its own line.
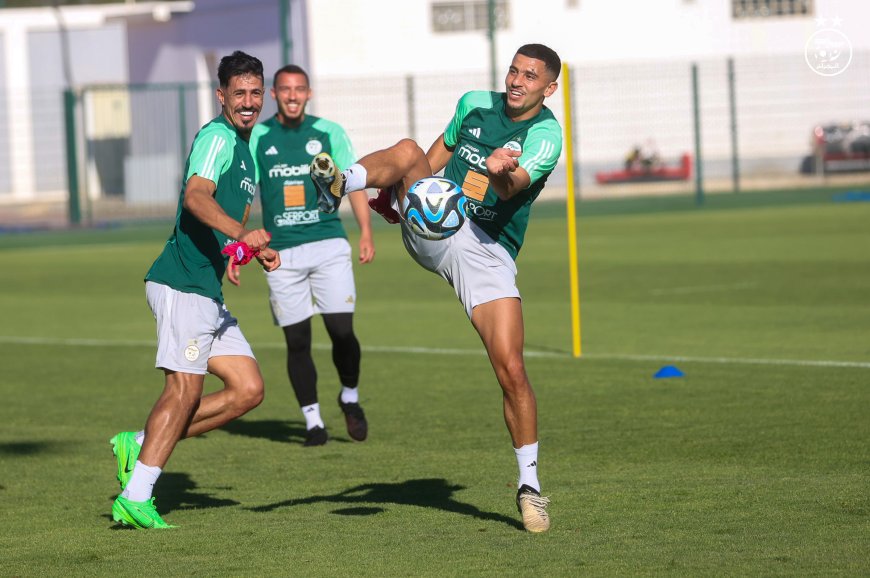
<point>411,104</point>
<point>696,107</point>
<point>72,172</point>
<point>182,118</point>
<point>732,101</point>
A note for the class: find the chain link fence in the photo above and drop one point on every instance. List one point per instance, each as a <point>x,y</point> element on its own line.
<point>739,125</point>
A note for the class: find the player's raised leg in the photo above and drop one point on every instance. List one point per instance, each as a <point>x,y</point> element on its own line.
<point>403,162</point>
<point>500,326</point>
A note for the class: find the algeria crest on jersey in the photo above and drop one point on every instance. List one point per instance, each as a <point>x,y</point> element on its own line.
<point>313,147</point>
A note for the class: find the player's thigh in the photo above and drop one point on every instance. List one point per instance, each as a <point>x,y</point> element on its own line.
<point>479,269</point>
<point>238,372</point>
<point>186,326</point>
<point>500,325</point>
<point>332,283</point>
<point>229,339</point>
<point>429,254</point>
<point>289,288</point>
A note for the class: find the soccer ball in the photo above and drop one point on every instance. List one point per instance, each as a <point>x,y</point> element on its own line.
<point>434,208</point>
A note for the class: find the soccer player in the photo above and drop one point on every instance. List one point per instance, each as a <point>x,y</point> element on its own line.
<point>196,334</point>
<point>501,147</point>
<point>315,253</point>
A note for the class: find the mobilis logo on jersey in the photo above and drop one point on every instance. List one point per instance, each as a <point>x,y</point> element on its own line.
<point>472,155</point>
<point>248,185</point>
<point>284,170</point>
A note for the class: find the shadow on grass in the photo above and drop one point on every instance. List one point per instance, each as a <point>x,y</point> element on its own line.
<point>269,429</point>
<point>25,448</point>
<point>179,492</point>
<point>434,493</point>
<point>273,429</point>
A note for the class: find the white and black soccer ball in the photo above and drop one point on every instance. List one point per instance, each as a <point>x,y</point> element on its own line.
<point>434,208</point>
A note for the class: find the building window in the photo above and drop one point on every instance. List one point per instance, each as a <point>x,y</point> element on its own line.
<point>468,16</point>
<point>771,8</point>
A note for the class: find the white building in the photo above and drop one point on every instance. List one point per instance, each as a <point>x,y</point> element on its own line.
<point>388,69</point>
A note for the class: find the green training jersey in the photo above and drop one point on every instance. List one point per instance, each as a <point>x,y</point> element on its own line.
<point>480,126</point>
<point>191,260</point>
<point>283,155</point>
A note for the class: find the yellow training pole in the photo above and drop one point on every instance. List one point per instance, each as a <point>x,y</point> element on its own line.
<point>572,219</point>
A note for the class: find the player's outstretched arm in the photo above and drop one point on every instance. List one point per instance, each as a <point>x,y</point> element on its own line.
<point>506,176</point>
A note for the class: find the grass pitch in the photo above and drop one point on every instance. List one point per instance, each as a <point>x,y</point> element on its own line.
<point>754,463</point>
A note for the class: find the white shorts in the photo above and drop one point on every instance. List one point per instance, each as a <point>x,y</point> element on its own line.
<point>479,269</point>
<point>316,277</point>
<point>191,329</point>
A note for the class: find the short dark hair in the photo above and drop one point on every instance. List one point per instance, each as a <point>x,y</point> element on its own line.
<point>545,54</point>
<point>237,64</point>
<point>291,69</point>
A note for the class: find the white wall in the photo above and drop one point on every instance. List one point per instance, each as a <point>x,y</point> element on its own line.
<point>351,37</point>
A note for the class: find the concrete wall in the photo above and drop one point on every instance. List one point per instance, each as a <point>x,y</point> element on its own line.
<point>385,36</point>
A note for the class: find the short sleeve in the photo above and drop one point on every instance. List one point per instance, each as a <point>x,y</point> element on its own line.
<point>541,149</point>
<point>211,155</point>
<point>468,102</point>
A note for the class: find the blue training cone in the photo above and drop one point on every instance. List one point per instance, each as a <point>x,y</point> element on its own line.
<point>668,371</point>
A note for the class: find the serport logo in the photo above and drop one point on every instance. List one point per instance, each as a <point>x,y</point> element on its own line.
<point>291,218</point>
<point>479,211</point>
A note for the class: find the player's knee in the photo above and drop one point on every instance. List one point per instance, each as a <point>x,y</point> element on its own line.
<point>249,393</point>
<point>410,150</point>
<point>512,375</point>
<point>340,328</point>
<point>298,337</point>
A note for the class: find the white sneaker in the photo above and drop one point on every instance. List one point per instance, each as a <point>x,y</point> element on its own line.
<point>533,507</point>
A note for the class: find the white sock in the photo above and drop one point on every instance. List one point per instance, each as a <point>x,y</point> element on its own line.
<point>527,460</point>
<point>140,437</point>
<point>355,178</point>
<point>349,395</point>
<point>141,484</point>
<point>312,416</point>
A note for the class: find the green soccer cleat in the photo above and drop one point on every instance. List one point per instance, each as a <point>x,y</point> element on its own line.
<point>141,515</point>
<point>328,181</point>
<point>126,451</point>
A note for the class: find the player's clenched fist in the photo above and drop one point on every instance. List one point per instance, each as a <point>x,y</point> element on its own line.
<point>270,259</point>
<point>502,161</point>
<point>257,239</point>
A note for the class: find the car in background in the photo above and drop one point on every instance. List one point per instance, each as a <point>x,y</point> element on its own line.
<point>839,147</point>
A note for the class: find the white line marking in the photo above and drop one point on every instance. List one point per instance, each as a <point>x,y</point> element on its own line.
<point>82,342</point>
<point>703,289</point>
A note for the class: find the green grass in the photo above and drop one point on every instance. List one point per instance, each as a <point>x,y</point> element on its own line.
<point>755,463</point>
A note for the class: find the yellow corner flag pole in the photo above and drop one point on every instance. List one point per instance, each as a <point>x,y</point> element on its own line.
<point>572,219</point>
